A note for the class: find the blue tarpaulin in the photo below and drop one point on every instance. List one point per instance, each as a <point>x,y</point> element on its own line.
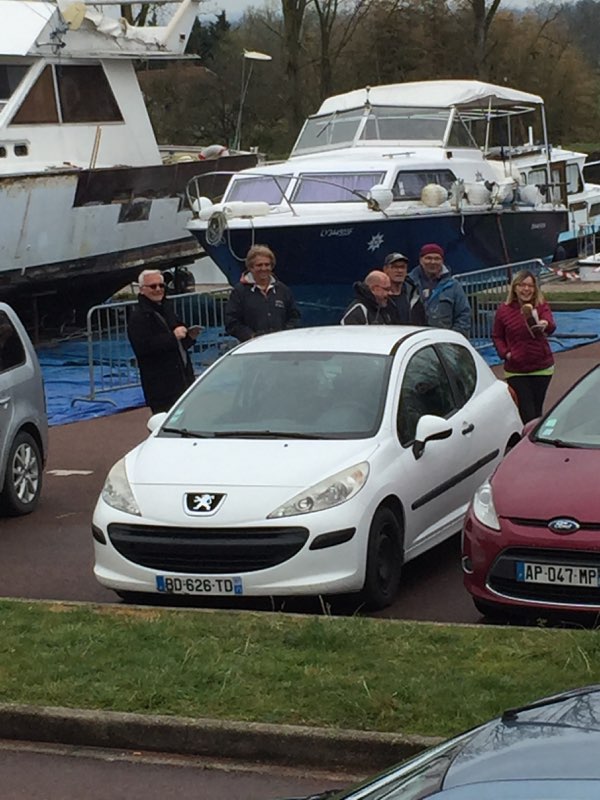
<point>67,378</point>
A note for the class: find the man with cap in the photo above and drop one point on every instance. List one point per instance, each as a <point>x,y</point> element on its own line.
<point>369,306</point>
<point>444,299</point>
<point>404,303</point>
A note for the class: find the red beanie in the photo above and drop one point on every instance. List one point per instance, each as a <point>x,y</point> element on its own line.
<point>431,248</point>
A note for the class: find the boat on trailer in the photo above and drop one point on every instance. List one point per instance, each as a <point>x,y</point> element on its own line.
<point>386,169</point>
<point>86,200</point>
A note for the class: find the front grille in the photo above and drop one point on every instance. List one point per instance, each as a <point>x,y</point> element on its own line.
<point>528,522</point>
<point>206,551</point>
<point>502,577</point>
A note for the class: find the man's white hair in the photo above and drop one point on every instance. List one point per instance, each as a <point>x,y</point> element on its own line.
<point>145,272</point>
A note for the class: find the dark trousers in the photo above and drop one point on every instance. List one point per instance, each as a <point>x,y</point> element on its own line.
<point>531,392</point>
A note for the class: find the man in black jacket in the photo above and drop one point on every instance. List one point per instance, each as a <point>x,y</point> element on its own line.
<point>259,303</point>
<point>369,306</point>
<point>160,342</point>
<point>404,303</point>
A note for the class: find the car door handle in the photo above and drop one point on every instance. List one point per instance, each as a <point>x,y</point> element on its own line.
<point>4,401</point>
<point>468,428</point>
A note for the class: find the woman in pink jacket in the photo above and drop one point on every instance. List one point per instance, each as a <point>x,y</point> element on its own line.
<point>521,327</point>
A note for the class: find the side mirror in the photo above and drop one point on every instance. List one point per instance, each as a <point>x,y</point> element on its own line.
<point>156,420</point>
<point>429,429</point>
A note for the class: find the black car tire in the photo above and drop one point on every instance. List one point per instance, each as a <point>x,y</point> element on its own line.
<point>23,480</point>
<point>385,555</point>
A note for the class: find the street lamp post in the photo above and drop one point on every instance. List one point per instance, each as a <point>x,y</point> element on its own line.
<point>251,56</point>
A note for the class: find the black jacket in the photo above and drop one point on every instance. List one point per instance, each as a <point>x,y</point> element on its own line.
<point>364,309</point>
<point>407,308</point>
<point>165,369</point>
<point>249,312</point>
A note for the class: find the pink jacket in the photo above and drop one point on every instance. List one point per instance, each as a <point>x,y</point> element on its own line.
<point>529,349</point>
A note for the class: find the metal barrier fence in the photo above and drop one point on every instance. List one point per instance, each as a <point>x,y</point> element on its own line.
<point>111,361</point>
<point>486,289</point>
<point>112,365</point>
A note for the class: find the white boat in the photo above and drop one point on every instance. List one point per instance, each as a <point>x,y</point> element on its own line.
<point>383,169</point>
<point>568,185</point>
<point>86,201</point>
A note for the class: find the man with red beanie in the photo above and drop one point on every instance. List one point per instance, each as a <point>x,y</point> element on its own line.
<point>445,301</point>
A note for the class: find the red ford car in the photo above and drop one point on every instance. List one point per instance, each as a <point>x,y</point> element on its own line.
<point>531,537</point>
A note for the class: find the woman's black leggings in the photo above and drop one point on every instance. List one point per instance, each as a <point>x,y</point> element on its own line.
<point>531,392</point>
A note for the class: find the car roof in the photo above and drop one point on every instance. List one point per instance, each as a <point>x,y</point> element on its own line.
<point>378,339</point>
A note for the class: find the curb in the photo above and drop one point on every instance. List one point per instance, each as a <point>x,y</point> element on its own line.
<point>283,745</point>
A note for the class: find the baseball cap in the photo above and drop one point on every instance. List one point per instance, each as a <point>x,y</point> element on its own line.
<point>389,259</point>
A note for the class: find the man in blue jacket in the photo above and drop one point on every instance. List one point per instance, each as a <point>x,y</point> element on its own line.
<point>445,301</point>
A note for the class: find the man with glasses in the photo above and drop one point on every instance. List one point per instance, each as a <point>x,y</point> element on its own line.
<point>404,304</point>
<point>369,306</point>
<point>160,342</point>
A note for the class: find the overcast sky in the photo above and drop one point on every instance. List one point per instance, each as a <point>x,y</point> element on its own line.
<point>236,7</point>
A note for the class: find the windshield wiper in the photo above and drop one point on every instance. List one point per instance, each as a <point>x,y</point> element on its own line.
<point>266,434</point>
<point>556,442</point>
<point>512,713</point>
<point>185,434</point>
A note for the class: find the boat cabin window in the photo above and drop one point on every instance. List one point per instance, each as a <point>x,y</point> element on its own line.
<point>335,187</point>
<point>562,179</point>
<point>83,92</point>
<point>332,130</point>
<point>594,210</point>
<point>10,77</point>
<point>269,189</point>
<point>409,185</point>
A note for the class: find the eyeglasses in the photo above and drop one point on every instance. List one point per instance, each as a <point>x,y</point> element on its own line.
<point>526,285</point>
<point>154,285</point>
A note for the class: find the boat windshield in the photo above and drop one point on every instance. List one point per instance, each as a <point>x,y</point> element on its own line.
<point>574,422</point>
<point>384,124</point>
<point>310,395</point>
<point>335,187</point>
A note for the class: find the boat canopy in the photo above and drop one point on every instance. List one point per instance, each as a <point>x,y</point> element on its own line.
<point>433,94</point>
<point>22,23</point>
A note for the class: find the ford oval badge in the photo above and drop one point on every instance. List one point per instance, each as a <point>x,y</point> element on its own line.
<point>563,525</point>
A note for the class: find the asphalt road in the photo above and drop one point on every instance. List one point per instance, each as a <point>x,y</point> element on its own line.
<point>34,772</point>
<point>49,554</point>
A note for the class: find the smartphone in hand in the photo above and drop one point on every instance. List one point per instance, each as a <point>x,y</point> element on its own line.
<point>194,330</point>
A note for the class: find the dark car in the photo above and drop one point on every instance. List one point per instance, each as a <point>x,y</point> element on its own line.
<point>531,538</point>
<point>547,750</point>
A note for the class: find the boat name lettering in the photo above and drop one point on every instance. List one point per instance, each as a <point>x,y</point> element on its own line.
<point>536,226</point>
<point>336,231</point>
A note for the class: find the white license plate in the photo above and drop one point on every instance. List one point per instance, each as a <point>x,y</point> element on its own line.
<point>174,584</point>
<point>562,575</point>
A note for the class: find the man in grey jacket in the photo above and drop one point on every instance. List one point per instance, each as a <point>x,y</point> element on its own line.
<point>445,301</point>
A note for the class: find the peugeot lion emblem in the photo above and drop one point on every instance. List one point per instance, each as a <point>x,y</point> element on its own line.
<point>563,525</point>
<point>202,502</point>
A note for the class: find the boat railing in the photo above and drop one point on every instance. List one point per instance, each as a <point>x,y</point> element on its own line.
<point>111,361</point>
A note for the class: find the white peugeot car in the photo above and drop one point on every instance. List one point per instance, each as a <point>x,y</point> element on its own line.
<point>312,461</point>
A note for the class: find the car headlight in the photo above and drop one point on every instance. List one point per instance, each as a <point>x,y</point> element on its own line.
<point>331,492</point>
<point>483,507</point>
<point>116,491</point>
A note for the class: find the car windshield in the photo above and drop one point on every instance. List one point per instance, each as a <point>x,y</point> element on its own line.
<point>293,394</point>
<point>416,779</point>
<point>575,421</point>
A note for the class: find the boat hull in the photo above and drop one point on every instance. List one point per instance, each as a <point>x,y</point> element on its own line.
<point>71,238</point>
<point>320,261</point>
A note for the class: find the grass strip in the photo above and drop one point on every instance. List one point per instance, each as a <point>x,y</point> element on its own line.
<point>362,673</point>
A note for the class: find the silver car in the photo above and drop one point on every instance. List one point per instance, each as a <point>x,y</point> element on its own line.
<point>23,420</point>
